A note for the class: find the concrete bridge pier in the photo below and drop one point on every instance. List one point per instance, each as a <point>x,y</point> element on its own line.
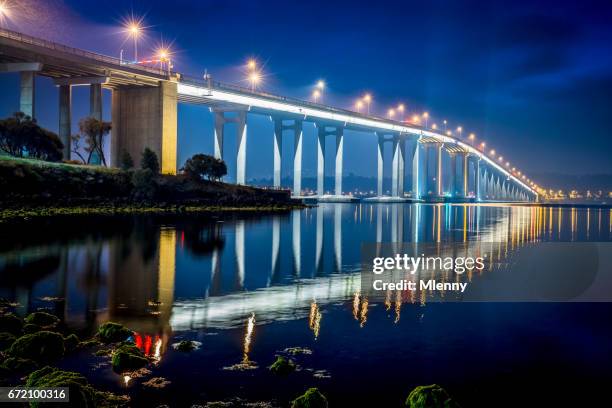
<point>338,132</point>
<point>296,127</point>
<point>239,119</point>
<point>146,116</point>
<point>397,168</point>
<point>27,78</point>
<point>65,118</point>
<point>416,171</point>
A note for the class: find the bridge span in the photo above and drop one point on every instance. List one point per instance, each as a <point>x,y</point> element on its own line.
<point>144,114</point>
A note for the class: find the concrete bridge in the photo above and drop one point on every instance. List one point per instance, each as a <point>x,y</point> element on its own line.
<point>144,114</point>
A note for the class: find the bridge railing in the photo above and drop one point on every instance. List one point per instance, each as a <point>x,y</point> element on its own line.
<point>27,39</point>
<point>243,90</point>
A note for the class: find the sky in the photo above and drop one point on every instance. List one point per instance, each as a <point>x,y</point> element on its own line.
<point>533,79</point>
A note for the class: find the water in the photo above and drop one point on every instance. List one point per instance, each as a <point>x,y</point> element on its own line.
<point>249,286</point>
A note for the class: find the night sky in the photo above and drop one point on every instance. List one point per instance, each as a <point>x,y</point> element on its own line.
<point>532,78</point>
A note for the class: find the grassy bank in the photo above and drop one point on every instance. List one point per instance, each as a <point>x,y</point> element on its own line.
<point>32,188</point>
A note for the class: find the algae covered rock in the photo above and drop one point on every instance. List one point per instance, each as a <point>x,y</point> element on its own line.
<point>128,357</point>
<point>81,394</point>
<point>19,365</point>
<point>43,346</point>
<point>71,342</point>
<point>282,366</point>
<point>312,398</point>
<point>6,339</point>
<point>111,332</point>
<point>430,396</point>
<point>42,319</point>
<point>186,345</point>
<point>30,328</point>
<point>10,323</point>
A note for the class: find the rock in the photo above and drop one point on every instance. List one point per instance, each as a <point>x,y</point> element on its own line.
<point>312,398</point>
<point>90,343</point>
<point>6,339</point>
<point>185,345</point>
<point>71,342</point>
<point>31,328</point>
<point>42,347</point>
<point>81,393</point>
<point>10,323</point>
<point>128,357</point>
<point>282,366</point>
<point>430,396</point>
<point>19,365</point>
<point>156,382</point>
<point>42,319</point>
<point>111,332</point>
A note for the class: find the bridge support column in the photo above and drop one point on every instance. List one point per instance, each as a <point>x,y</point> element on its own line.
<point>402,169</point>
<point>321,161</point>
<point>416,174</point>
<point>27,95</point>
<point>241,143</point>
<point>454,178</point>
<point>297,159</point>
<point>440,191</point>
<point>465,172</point>
<point>395,168</point>
<point>477,179</point>
<point>278,151</point>
<point>95,101</point>
<point>65,114</point>
<point>219,129</point>
<point>145,117</point>
<point>381,165</point>
<point>339,154</point>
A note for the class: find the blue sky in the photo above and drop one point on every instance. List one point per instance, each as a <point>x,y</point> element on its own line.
<point>531,78</point>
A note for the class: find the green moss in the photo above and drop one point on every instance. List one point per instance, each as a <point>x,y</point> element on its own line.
<point>111,332</point>
<point>90,343</point>
<point>71,342</point>
<point>10,323</point>
<point>81,393</point>
<point>128,357</point>
<point>42,319</point>
<point>44,346</point>
<point>102,352</point>
<point>282,366</point>
<point>6,339</point>
<point>19,365</point>
<point>312,398</point>
<point>430,396</point>
<point>31,328</point>
<point>186,345</point>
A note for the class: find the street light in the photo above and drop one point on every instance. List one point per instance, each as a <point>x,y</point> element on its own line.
<point>320,84</point>
<point>134,30</point>
<point>4,10</point>
<point>400,109</point>
<point>492,152</point>
<point>434,126</point>
<point>254,78</point>
<point>415,119</point>
<point>391,113</point>
<point>482,145</point>
<point>449,133</point>
<point>426,117</point>
<point>459,130</point>
<point>251,64</point>
<point>445,124</point>
<point>367,98</point>
<point>315,95</point>
<point>359,105</point>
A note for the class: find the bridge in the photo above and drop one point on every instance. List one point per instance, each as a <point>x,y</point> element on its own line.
<point>144,114</point>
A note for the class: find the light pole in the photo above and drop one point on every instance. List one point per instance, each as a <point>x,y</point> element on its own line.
<point>319,87</point>
<point>359,105</point>
<point>400,109</point>
<point>426,117</point>
<point>391,113</point>
<point>445,125</point>
<point>254,78</point>
<point>4,11</point>
<point>459,130</point>
<point>368,99</point>
<point>134,29</point>
<point>315,95</point>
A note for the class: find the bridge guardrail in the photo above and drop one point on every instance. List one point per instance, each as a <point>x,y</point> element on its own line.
<point>27,39</point>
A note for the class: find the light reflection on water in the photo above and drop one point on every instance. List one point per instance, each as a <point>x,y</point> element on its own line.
<point>166,275</point>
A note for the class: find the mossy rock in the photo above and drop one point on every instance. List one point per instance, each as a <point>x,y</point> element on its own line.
<point>42,319</point>
<point>19,365</point>
<point>30,328</point>
<point>90,343</point>
<point>10,323</point>
<point>71,343</point>
<point>282,366</point>
<point>6,339</point>
<point>81,394</point>
<point>111,332</point>
<point>42,347</point>
<point>186,345</point>
<point>430,396</point>
<point>128,357</point>
<point>312,398</point>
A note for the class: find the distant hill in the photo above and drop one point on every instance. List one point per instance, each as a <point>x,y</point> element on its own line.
<point>558,181</point>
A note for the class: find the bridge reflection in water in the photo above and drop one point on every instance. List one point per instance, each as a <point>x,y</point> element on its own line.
<point>160,276</point>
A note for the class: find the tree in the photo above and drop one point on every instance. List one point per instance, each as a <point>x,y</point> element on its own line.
<point>201,166</point>
<point>126,160</point>
<point>21,136</point>
<point>149,161</point>
<point>93,132</point>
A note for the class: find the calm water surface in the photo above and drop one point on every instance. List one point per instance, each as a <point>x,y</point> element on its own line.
<point>247,287</point>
